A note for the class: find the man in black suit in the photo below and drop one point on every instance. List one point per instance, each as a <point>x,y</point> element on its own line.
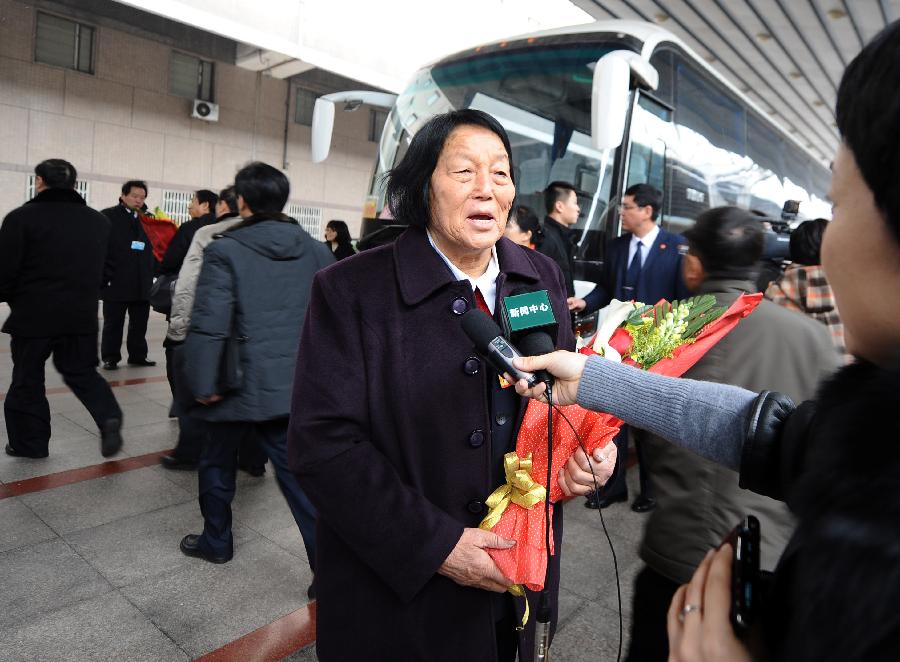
<point>51,264</point>
<point>644,264</point>
<point>129,274</point>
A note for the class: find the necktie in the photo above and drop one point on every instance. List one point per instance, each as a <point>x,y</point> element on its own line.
<point>481,303</point>
<point>633,273</point>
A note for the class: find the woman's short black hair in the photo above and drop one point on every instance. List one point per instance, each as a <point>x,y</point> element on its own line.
<point>526,220</point>
<point>729,241</point>
<point>264,189</point>
<point>806,242</point>
<point>868,113</point>
<point>56,173</point>
<point>408,183</point>
<point>229,197</point>
<point>341,230</point>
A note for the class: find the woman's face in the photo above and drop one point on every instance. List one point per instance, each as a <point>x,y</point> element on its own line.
<point>861,259</point>
<point>514,232</point>
<point>330,234</point>
<point>471,191</point>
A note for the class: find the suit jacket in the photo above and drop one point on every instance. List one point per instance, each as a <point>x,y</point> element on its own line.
<point>661,276</point>
<point>391,438</point>
<point>51,264</point>
<point>128,271</point>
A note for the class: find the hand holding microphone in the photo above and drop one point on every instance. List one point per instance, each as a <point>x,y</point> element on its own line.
<point>566,367</point>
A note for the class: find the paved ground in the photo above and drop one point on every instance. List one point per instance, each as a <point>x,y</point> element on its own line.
<point>92,571</point>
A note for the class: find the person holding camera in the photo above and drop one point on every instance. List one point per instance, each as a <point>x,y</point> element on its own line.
<point>835,460</point>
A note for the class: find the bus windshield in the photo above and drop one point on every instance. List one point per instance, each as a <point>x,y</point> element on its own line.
<point>541,94</point>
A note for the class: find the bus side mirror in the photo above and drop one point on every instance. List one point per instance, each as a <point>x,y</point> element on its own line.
<point>610,95</point>
<point>322,128</point>
<point>323,116</point>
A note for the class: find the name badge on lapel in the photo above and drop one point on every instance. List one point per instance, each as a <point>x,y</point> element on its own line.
<point>137,245</point>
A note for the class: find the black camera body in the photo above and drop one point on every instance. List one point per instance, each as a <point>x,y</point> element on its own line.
<point>746,588</point>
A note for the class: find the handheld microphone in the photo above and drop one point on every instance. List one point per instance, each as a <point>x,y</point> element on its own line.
<point>529,320</point>
<point>491,344</point>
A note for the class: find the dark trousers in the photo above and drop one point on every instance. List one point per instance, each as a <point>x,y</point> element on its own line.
<point>192,431</point>
<point>616,485</point>
<point>114,322</point>
<point>653,594</point>
<point>26,408</point>
<point>217,470</point>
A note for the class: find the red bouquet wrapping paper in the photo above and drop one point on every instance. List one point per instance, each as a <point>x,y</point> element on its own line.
<point>160,232</point>
<point>526,562</point>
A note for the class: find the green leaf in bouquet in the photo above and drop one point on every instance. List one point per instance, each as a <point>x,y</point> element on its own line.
<point>694,326</point>
<point>638,314</point>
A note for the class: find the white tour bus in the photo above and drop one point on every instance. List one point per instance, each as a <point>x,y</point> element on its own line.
<point>601,106</point>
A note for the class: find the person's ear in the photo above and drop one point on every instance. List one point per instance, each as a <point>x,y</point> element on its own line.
<point>693,271</point>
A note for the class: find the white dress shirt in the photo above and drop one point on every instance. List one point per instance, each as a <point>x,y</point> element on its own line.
<point>647,240</point>
<point>486,282</point>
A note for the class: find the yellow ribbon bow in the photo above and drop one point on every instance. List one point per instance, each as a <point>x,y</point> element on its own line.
<point>520,489</point>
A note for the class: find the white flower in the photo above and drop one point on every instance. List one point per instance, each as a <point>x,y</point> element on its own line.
<point>609,319</point>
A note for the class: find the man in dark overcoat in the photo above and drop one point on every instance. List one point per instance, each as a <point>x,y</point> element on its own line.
<point>51,262</point>
<point>129,274</point>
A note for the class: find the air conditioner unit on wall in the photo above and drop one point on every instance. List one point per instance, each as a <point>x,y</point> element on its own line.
<point>205,110</point>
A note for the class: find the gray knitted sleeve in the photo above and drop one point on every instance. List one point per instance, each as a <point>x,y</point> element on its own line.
<point>709,419</point>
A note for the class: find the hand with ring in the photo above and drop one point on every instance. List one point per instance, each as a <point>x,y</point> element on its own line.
<point>698,622</point>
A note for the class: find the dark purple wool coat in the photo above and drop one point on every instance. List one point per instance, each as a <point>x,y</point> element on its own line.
<point>381,439</point>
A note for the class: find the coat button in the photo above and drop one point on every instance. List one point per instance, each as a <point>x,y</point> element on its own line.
<point>501,419</point>
<point>459,306</point>
<point>472,366</point>
<point>475,507</point>
<point>476,439</point>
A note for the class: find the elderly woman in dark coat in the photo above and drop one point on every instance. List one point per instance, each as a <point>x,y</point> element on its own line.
<point>238,356</point>
<point>398,429</point>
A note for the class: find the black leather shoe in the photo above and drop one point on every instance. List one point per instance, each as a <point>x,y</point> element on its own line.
<point>190,546</point>
<point>110,365</point>
<point>12,451</point>
<point>177,463</point>
<point>604,502</point>
<point>111,437</point>
<point>643,504</point>
<point>145,363</point>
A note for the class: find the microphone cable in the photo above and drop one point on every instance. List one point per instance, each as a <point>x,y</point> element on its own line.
<point>612,549</point>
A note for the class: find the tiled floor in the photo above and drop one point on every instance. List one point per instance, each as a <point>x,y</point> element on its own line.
<point>92,570</point>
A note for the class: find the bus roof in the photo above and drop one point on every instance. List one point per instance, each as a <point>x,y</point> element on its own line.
<point>650,35</point>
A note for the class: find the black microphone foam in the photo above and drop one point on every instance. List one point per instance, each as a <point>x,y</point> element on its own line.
<point>536,343</point>
<point>480,328</point>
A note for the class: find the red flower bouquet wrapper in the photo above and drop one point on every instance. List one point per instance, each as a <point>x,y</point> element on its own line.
<point>526,562</point>
<point>160,232</point>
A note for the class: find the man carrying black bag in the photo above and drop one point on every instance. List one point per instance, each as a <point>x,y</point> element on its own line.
<point>251,300</point>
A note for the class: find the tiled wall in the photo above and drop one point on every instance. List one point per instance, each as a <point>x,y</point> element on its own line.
<point>121,123</point>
